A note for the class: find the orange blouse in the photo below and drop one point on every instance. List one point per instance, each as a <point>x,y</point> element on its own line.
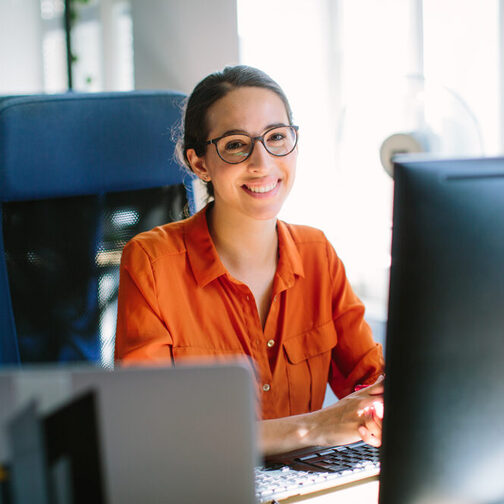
<point>177,301</point>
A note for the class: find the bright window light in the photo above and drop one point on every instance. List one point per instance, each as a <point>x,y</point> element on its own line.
<point>357,72</point>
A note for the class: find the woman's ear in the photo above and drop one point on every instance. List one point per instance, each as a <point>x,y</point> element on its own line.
<point>198,165</point>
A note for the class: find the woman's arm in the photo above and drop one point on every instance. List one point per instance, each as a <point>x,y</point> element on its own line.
<point>141,335</point>
<point>355,417</point>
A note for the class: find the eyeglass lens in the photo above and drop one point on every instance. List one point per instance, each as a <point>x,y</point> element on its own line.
<point>278,142</point>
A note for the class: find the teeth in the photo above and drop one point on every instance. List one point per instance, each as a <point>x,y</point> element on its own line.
<point>263,189</point>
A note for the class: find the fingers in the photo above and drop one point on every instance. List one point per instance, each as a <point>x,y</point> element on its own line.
<point>374,427</point>
<point>368,437</point>
<point>378,410</point>
<point>359,414</point>
<point>371,417</point>
<point>371,431</point>
<point>372,404</point>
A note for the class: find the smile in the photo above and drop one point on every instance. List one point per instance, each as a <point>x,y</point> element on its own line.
<point>262,189</point>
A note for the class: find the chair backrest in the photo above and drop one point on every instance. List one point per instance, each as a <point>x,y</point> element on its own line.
<point>80,174</point>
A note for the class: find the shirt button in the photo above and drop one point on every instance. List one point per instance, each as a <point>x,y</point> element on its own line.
<point>274,299</point>
<point>248,299</point>
<point>271,343</point>
<point>266,387</point>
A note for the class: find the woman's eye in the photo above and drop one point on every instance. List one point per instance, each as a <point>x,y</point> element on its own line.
<point>234,146</point>
<point>276,137</point>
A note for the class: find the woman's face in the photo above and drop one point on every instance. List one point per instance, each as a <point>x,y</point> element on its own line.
<point>258,186</point>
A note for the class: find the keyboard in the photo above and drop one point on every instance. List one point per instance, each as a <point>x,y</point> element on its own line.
<point>307,471</point>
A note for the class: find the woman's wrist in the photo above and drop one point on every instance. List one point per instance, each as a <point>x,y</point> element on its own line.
<point>281,435</point>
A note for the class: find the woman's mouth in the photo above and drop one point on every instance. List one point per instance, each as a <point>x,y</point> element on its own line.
<point>262,190</point>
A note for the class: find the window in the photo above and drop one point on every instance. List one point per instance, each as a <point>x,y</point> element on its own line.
<point>102,46</point>
<point>357,72</point>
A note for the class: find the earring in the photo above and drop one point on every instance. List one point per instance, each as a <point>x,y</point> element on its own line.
<point>205,178</point>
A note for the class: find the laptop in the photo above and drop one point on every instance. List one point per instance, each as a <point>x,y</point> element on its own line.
<point>183,435</point>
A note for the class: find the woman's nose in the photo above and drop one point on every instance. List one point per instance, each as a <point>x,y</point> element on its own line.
<point>260,159</point>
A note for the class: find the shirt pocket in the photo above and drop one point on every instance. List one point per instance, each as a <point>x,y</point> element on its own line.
<point>308,362</point>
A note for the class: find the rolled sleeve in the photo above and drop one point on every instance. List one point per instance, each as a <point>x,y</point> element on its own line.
<point>357,358</point>
<point>141,334</point>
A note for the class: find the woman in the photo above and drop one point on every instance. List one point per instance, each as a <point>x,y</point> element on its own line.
<point>232,279</point>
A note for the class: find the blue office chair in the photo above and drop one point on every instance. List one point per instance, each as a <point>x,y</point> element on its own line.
<point>80,174</point>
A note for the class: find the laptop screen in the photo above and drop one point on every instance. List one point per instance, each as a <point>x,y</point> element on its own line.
<point>183,434</point>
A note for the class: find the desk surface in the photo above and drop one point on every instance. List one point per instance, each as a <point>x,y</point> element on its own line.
<point>359,492</point>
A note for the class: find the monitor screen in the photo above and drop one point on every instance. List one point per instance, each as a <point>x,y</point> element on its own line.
<point>443,439</point>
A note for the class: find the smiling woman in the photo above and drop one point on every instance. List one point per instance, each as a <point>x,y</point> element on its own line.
<point>258,184</point>
<point>234,280</point>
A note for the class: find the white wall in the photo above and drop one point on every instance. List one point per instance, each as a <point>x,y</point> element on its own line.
<point>21,69</point>
<point>176,43</point>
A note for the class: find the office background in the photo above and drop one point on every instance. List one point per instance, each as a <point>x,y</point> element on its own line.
<point>353,70</point>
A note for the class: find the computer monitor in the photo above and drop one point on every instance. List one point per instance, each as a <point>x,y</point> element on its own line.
<point>443,439</point>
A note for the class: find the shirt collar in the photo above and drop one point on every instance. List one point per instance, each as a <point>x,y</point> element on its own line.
<point>207,266</point>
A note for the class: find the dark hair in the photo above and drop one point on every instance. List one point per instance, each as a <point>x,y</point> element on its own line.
<point>212,88</point>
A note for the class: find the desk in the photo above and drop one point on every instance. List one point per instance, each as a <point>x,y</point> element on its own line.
<point>358,492</point>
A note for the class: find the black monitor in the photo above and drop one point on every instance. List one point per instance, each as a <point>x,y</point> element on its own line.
<point>443,439</point>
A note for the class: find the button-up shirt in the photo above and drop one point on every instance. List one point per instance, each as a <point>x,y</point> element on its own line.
<point>177,301</point>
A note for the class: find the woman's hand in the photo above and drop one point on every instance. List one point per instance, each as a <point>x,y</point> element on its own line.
<point>355,417</point>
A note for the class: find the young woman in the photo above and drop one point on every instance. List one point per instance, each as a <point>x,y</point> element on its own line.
<point>233,279</point>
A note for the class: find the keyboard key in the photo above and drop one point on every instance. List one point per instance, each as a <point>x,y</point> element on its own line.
<point>308,457</point>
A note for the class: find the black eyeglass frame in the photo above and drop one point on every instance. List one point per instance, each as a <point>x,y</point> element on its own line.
<point>254,140</point>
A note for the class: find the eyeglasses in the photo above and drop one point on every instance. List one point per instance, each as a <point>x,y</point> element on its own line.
<point>236,148</point>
